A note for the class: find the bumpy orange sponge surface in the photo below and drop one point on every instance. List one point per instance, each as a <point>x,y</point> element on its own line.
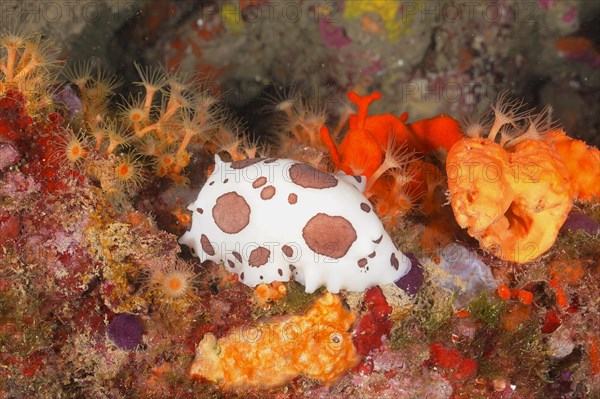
<point>316,344</point>
<point>513,202</point>
<point>582,162</point>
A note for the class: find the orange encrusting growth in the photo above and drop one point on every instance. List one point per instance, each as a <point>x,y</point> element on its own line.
<point>525,297</point>
<point>265,293</point>
<point>561,296</point>
<point>582,162</point>
<point>504,292</point>
<point>562,273</point>
<point>513,202</point>
<point>362,149</point>
<point>360,152</point>
<point>594,354</point>
<point>316,344</point>
<point>371,145</point>
<point>438,133</point>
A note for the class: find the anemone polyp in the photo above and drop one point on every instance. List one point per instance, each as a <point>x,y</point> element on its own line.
<point>75,151</point>
<point>174,282</point>
<point>71,148</point>
<point>136,114</point>
<point>133,111</point>
<point>164,164</point>
<point>129,171</point>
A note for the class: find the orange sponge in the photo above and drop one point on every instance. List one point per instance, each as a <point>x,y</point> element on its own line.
<point>513,202</point>
<point>582,162</point>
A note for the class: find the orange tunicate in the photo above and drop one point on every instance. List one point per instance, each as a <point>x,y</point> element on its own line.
<point>561,296</point>
<point>504,292</point>
<point>316,344</point>
<point>573,44</point>
<point>270,292</point>
<point>582,162</point>
<point>524,296</point>
<point>514,202</point>
<point>262,292</point>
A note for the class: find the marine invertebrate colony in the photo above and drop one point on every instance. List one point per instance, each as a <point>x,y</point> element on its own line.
<point>368,139</point>
<point>513,196</point>
<point>97,301</point>
<point>386,150</point>
<point>578,158</point>
<point>315,344</point>
<point>275,219</point>
<point>522,222</point>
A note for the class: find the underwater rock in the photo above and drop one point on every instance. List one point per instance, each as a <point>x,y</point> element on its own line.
<point>333,36</point>
<point>560,343</point>
<point>392,376</point>
<point>9,227</point>
<point>579,221</point>
<point>8,155</point>
<point>125,331</point>
<point>455,366</point>
<point>464,273</point>
<point>19,187</point>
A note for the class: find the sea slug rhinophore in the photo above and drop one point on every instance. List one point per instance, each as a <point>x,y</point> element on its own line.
<point>275,219</point>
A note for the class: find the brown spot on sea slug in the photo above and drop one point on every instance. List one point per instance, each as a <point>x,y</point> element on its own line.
<point>259,182</point>
<point>259,256</point>
<point>330,236</point>
<point>206,245</point>
<point>245,163</point>
<point>308,177</point>
<point>231,213</point>
<point>267,193</point>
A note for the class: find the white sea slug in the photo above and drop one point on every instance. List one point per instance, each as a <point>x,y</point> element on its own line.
<point>275,219</point>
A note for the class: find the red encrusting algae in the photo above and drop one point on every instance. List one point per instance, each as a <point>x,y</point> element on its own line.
<point>456,367</point>
<point>375,324</point>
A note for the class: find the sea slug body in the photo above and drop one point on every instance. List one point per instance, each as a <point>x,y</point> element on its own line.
<point>276,219</point>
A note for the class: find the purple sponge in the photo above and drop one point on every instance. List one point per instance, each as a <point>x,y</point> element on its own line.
<point>125,331</point>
